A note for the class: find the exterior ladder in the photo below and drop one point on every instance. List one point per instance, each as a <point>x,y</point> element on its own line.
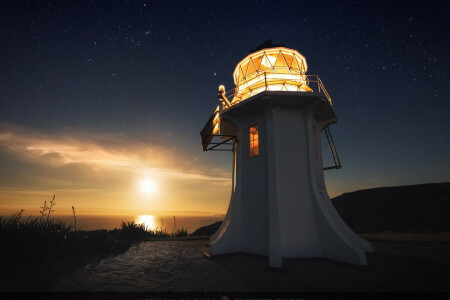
<point>337,162</point>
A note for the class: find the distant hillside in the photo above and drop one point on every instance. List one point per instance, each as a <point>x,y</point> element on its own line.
<point>411,208</point>
<point>207,230</point>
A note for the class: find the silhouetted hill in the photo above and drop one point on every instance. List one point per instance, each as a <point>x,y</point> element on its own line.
<point>207,230</point>
<point>411,208</point>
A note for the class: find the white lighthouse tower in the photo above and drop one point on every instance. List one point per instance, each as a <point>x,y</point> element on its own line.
<point>279,204</point>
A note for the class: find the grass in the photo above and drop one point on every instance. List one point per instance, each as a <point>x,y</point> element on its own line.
<point>44,237</point>
<point>41,237</point>
<point>133,230</point>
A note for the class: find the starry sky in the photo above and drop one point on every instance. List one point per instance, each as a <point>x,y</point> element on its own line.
<point>96,95</point>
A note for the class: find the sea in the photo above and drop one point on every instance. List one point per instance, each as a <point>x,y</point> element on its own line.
<point>168,223</point>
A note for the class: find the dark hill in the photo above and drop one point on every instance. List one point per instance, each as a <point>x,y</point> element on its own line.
<point>411,208</point>
<point>207,230</point>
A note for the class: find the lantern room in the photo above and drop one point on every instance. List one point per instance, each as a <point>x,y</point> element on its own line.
<point>270,69</point>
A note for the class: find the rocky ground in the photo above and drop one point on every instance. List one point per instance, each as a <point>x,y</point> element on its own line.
<point>181,266</point>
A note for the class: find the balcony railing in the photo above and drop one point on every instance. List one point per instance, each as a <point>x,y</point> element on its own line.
<point>275,82</point>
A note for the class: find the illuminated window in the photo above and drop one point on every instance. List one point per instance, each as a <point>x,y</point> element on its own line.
<point>254,142</point>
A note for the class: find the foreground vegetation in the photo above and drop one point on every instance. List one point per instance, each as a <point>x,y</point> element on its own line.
<point>44,237</point>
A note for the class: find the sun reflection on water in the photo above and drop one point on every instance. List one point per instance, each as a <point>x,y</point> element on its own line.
<point>148,221</point>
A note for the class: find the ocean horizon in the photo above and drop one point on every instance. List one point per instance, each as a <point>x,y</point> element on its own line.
<point>164,222</point>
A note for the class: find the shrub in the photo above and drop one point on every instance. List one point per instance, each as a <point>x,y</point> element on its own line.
<point>180,233</point>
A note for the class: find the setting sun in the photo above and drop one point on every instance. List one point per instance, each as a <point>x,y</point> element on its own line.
<point>148,186</point>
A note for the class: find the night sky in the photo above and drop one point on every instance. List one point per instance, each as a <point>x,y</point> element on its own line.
<point>95,95</point>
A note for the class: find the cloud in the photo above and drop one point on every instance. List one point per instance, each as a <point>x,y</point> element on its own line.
<point>101,151</point>
<point>100,173</point>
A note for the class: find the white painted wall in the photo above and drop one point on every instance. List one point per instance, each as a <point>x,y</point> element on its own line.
<point>280,206</point>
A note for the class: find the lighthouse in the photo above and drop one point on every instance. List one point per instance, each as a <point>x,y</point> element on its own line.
<point>272,122</point>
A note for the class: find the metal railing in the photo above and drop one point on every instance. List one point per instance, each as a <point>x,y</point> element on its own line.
<point>260,84</point>
<point>322,88</point>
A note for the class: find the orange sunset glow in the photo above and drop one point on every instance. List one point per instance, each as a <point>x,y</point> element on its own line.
<point>105,174</point>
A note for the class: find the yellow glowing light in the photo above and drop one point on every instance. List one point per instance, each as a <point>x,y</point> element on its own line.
<point>148,186</point>
<point>272,69</point>
<point>148,221</point>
